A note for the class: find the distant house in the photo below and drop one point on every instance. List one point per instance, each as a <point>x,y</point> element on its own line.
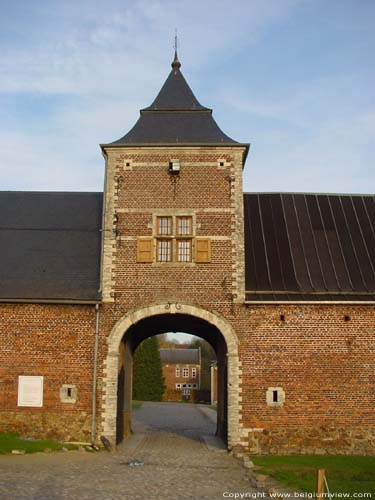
<point>181,369</point>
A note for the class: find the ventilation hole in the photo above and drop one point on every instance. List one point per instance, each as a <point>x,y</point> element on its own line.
<point>275,396</point>
<point>128,164</point>
<point>69,392</point>
<point>282,317</point>
<point>221,164</point>
<point>346,318</point>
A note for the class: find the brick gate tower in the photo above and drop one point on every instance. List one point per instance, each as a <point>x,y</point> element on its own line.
<point>173,215</point>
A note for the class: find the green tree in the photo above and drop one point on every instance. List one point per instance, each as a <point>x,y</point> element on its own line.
<point>148,380</point>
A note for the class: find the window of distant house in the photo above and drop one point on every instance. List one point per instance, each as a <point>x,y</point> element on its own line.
<point>177,371</point>
<point>185,372</point>
<point>193,372</point>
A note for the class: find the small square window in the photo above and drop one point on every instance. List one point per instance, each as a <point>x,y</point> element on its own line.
<point>275,396</point>
<point>68,393</point>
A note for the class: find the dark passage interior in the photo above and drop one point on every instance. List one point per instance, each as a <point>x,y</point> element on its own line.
<point>155,325</point>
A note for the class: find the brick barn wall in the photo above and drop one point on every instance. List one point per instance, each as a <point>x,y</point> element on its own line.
<point>324,364</point>
<point>57,342</point>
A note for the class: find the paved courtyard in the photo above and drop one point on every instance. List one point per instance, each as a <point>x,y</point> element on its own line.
<point>168,439</point>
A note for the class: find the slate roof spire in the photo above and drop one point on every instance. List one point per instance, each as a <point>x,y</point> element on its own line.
<point>176,63</point>
<point>175,116</point>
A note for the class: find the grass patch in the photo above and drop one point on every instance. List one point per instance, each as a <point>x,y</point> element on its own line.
<point>136,404</point>
<point>10,441</point>
<point>345,474</point>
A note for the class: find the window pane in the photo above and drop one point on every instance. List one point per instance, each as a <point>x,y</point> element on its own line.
<point>184,226</point>
<point>165,225</point>
<point>184,250</point>
<point>164,250</point>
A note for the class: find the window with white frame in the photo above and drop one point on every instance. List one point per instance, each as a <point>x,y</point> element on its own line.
<point>185,372</point>
<point>193,372</point>
<point>177,371</point>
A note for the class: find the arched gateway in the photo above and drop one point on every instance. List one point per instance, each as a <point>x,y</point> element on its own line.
<point>137,325</point>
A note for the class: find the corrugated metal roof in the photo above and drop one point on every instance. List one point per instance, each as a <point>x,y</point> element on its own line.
<point>309,246</point>
<point>50,245</point>
<point>179,356</point>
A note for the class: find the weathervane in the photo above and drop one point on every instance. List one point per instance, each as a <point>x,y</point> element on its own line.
<point>176,63</point>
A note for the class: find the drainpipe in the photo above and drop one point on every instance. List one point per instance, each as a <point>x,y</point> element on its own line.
<point>94,381</point>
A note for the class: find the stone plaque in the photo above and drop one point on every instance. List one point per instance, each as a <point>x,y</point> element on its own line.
<point>30,390</point>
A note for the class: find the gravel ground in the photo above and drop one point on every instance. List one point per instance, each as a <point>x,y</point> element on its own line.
<point>176,464</point>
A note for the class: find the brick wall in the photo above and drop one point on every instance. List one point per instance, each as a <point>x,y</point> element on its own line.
<point>325,366</point>
<point>57,342</point>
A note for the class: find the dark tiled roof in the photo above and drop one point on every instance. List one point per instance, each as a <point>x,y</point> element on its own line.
<point>50,245</point>
<point>176,95</point>
<point>175,116</point>
<point>179,356</point>
<point>309,247</point>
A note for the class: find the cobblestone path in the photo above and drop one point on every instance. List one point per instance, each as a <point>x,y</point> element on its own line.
<point>177,465</point>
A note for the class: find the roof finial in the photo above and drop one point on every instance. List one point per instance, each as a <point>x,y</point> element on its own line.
<point>176,63</point>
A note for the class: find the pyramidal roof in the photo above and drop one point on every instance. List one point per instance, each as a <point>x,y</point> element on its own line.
<point>175,117</point>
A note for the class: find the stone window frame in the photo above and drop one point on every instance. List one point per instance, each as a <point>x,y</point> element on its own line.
<point>174,237</point>
<point>167,237</point>
<point>270,396</point>
<point>178,372</point>
<point>194,372</point>
<point>68,393</point>
<point>185,372</point>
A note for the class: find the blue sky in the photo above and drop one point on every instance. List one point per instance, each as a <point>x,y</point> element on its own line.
<point>295,78</point>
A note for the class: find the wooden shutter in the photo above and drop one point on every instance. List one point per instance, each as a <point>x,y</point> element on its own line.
<point>144,250</point>
<point>202,250</point>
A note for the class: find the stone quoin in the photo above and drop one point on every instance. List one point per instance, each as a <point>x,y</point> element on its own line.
<point>282,285</point>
